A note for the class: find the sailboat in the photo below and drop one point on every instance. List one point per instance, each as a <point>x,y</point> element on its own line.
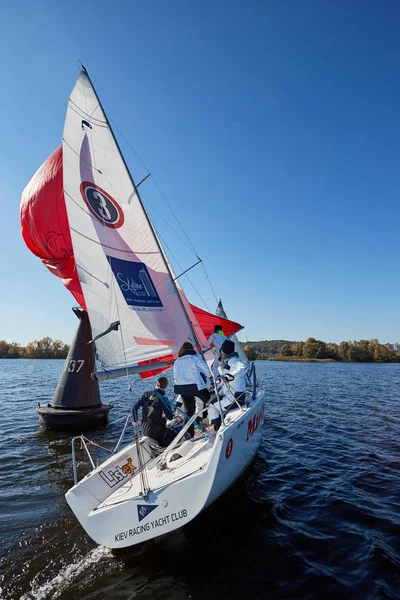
<point>139,316</point>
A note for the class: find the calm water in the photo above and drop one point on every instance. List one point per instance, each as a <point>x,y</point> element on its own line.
<point>316,516</point>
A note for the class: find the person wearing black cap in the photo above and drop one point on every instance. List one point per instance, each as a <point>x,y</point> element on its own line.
<point>232,391</point>
<point>231,363</point>
<point>216,340</point>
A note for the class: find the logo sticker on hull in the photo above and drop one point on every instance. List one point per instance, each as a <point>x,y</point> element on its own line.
<point>254,423</point>
<point>115,473</point>
<point>144,510</point>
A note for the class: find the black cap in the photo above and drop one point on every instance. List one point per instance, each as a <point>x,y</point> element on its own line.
<point>228,347</point>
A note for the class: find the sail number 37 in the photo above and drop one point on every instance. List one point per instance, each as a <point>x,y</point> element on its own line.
<point>74,366</point>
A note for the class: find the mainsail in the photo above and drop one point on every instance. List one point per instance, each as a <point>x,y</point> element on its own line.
<point>81,214</point>
<point>121,267</point>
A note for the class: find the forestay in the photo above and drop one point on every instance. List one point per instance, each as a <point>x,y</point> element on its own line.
<point>122,270</point>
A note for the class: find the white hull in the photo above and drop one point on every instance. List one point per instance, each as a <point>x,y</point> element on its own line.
<point>108,502</point>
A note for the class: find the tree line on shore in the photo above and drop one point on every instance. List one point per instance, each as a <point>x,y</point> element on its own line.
<point>312,349</point>
<point>44,348</point>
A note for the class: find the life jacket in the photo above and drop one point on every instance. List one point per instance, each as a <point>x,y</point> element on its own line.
<point>154,423</point>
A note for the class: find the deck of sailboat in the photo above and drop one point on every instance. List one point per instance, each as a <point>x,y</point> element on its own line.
<point>192,462</point>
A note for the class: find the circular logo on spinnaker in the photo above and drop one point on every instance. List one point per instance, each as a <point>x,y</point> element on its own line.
<point>102,205</point>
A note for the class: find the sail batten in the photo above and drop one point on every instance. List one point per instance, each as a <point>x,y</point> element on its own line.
<point>114,242</point>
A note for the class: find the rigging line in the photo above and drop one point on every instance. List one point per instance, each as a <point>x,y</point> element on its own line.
<point>149,223</point>
<point>99,121</point>
<point>209,281</point>
<point>88,272</point>
<point>157,186</point>
<point>180,266</point>
<point>83,114</point>
<point>188,269</point>
<point>79,156</point>
<point>169,225</point>
<point>141,465</point>
<point>191,246</point>
<point>104,245</point>
<point>176,218</point>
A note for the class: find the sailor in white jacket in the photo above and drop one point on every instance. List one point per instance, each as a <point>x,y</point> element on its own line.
<point>216,339</point>
<point>192,379</point>
<point>232,391</point>
<point>232,365</point>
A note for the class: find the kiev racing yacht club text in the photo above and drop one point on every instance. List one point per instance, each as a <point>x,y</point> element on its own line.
<point>160,522</point>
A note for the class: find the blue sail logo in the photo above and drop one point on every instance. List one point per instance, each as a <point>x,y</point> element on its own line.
<point>135,284</point>
<point>144,510</point>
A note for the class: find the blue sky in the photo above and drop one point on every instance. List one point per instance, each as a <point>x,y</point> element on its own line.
<point>271,127</point>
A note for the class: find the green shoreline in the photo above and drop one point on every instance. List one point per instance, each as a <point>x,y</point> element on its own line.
<point>299,359</point>
<point>312,350</point>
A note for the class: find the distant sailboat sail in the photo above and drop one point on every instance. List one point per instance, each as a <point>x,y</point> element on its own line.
<point>238,346</point>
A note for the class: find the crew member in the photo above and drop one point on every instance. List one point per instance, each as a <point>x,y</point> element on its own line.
<point>216,339</point>
<point>156,410</point>
<point>231,363</point>
<point>192,379</point>
<point>232,388</point>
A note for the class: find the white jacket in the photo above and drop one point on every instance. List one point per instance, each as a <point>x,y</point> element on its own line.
<point>238,369</point>
<point>217,340</point>
<point>187,371</point>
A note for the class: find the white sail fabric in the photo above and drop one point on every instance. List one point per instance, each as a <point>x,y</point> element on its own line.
<point>123,274</point>
<point>238,346</point>
<point>200,337</point>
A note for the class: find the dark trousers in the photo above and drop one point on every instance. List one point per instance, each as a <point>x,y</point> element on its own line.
<point>190,403</point>
<point>240,397</point>
<point>170,434</point>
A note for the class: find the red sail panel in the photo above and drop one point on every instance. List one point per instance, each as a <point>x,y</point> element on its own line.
<point>152,372</point>
<point>44,223</point>
<point>207,321</point>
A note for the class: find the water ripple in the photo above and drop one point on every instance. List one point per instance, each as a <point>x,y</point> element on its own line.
<point>316,516</point>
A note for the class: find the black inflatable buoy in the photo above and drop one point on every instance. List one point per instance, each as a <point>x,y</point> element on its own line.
<point>76,403</point>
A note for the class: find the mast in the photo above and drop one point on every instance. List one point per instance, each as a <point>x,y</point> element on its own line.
<point>160,249</point>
